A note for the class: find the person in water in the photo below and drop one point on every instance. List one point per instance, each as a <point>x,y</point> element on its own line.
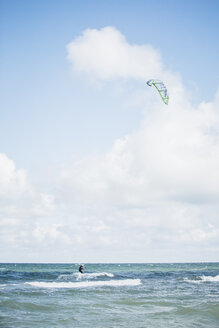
<point>81,268</point>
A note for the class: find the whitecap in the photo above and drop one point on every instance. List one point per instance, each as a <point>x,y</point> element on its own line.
<point>80,276</point>
<point>210,278</point>
<point>201,279</point>
<point>194,281</point>
<point>85,284</point>
<point>93,275</point>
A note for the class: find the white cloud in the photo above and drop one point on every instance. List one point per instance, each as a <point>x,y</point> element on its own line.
<point>157,188</point>
<point>13,182</point>
<point>174,155</point>
<point>45,206</point>
<point>45,232</point>
<point>107,55</point>
<point>22,207</point>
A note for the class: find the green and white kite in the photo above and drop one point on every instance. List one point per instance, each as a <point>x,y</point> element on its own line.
<point>159,85</point>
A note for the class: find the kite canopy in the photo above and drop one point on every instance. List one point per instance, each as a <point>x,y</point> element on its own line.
<point>159,85</point>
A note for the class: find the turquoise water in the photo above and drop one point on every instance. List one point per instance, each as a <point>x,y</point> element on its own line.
<point>109,295</point>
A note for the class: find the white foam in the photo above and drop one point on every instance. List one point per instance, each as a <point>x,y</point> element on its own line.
<point>193,281</point>
<point>203,279</point>
<point>210,278</point>
<point>85,284</point>
<point>80,276</point>
<point>93,275</point>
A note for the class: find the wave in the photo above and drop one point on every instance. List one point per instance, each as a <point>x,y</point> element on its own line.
<point>210,278</point>
<point>80,276</point>
<point>85,284</point>
<point>3,269</point>
<point>200,279</point>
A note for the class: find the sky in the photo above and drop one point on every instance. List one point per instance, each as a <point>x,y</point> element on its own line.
<point>94,167</point>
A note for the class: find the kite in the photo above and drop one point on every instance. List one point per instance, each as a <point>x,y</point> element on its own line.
<point>159,85</point>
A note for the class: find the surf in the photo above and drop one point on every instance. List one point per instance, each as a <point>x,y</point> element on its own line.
<point>85,284</point>
<point>201,279</point>
<point>80,276</point>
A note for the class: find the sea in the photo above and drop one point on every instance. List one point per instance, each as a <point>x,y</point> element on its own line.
<point>109,295</point>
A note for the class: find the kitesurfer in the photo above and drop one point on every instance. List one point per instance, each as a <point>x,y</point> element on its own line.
<point>81,268</point>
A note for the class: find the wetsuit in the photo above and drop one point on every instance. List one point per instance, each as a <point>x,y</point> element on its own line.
<point>81,268</point>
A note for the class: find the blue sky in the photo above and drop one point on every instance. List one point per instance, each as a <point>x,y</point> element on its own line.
<point>54,116</point>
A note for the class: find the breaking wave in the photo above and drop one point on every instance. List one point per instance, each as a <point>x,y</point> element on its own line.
<point>200,279</point>
<point>80,276</point>
<point>210,278</point>
<point>85,284</point>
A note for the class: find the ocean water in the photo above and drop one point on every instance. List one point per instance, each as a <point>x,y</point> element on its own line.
<point>109,295</point>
